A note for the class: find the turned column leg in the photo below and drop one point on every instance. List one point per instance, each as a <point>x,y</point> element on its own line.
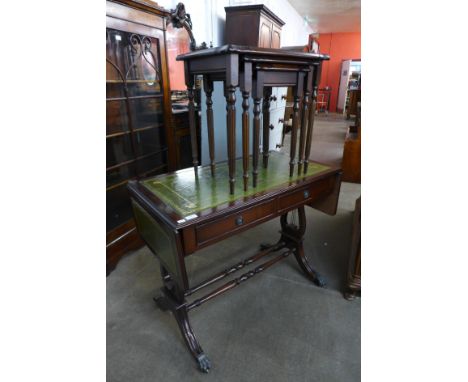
<point>256,140</point>
<point>305,105</point>
<point>293,236</point>
<point>310,128</point>
<point>231,135</point>
<point>297,94</point>
<point>257,90</point>
<point>232,81</point>
<point>190,82</point>
<point>266,125</point>
<point>173,299</point>
<point>208,87</point>
<point>246,87</point>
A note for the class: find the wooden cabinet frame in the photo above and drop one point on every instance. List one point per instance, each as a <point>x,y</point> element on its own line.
<point>141,18</point>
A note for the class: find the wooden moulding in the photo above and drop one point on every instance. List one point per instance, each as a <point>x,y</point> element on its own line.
<point>141,12</point>
<point>120,241</point>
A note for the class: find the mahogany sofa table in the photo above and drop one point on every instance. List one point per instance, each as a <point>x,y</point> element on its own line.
<point>181,212</point>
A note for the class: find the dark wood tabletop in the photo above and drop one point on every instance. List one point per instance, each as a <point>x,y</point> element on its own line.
<point>253,51</point>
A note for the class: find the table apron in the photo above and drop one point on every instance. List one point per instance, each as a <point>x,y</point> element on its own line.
<point>206,233</point>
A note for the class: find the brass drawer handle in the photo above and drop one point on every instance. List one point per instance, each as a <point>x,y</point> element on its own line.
<point>239,220</point>
<point>306,194</point>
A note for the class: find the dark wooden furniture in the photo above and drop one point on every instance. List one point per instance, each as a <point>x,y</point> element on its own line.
<point>181,212</point>
<point>352,152</point>
<point>255,71</point>
<point>182,143</point>
<point>354,99</point>
<point>139,133</point>
<point>258,26</point>
<point>253,25</point>
<point>181,124</point>
<point>353,285</point>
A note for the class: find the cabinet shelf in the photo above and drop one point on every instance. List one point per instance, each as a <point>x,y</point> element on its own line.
<point>160,95</point>
<point>132,81</point>
<point>130,161</point>
<point>121,133</point>
<point>142,175</point>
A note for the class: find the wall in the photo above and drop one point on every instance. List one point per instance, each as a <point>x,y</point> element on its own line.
<point>208,19</point>
<point>340,46</point>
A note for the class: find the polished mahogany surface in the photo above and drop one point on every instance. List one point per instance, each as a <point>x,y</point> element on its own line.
<point>183,197</point>
<point>253,51</point>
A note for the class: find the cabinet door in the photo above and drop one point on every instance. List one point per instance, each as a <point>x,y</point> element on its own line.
<point>275,37</point>
<point>135,134</point>
<point>264,40</point>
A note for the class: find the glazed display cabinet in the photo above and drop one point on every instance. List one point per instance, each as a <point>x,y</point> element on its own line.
<point>138,111</point>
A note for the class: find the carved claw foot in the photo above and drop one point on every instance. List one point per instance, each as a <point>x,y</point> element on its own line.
<point>204,364</point>
<point>161,303</point>
<point>350,295</point>
<point>319,281</point>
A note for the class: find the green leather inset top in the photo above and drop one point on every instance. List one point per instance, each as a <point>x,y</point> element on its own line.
<point>188,194</point>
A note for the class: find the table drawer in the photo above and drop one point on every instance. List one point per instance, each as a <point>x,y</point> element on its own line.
<point>225,225</point>
<point>306,194</point>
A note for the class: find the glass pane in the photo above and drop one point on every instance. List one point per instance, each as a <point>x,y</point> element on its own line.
<point>115,52</point>
<point>150,141</point>
<point>114,90</point>
<point>115,66</point>
<point>133,71</point>
<point>132,59</point>
<point>149,164</point>
<point>118,207</point>
<point>118,150</point>
<point>120,174</point>
<point>146,112</point>
<point>116,115</point>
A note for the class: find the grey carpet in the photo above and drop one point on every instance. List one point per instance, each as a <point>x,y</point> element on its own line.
<point>277,326</point>
<point>327,140</point>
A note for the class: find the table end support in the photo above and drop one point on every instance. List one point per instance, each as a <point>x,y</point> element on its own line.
<point>172,299</point>
<point>293,236</point>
